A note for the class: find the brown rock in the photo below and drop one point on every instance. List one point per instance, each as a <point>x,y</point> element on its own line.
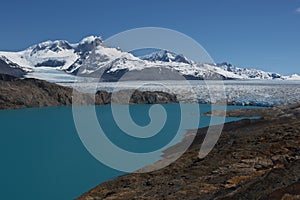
<point>25,93</point>
<point>262,163</point>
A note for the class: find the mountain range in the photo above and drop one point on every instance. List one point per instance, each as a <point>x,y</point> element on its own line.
<point>91,57</point>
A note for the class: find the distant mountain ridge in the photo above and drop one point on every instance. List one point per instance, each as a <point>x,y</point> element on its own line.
<point>166,56</point>
<point>91,57</point>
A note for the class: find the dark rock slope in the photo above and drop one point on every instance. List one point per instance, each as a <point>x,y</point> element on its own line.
<point>253,159</point>
<point>10,68</point>
<point>24,93</point>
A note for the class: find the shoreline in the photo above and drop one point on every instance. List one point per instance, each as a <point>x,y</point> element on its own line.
<point>248,152</point>
<point>27,93</point>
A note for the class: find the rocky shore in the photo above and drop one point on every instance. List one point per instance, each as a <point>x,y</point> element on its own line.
<point>253,159</point>
<point>26,93</point>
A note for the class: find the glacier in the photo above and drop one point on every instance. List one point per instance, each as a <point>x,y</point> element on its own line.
<point>267,93</point>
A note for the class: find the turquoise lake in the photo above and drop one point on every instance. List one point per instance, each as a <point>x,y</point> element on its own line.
<point>42,156</point>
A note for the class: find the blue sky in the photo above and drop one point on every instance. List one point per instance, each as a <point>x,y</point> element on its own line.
<point>264,34</point>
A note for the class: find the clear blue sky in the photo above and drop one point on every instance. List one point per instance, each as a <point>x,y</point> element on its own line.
<point>255,33</point>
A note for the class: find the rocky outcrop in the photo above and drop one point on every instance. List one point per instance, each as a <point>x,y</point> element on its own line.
<point>25,93</point>
<point>137,97</point>
<point>253,159</point>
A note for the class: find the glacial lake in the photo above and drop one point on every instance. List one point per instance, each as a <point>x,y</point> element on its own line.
<point>42,156</point>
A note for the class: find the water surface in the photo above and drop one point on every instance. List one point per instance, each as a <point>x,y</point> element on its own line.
<point>42,156</point>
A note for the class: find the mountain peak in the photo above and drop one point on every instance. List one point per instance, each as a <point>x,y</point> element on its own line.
<point>163,55</point>
<point>55,46</point>
<point>225,64</point>
<point>88,43</point>
<point>166,56</point>
<point>293,77</point>
<point>91,39</point>
<point>181,58</point>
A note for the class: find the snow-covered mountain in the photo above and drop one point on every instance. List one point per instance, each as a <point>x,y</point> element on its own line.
<point>58,54</point>
<point>292,77</point>
<point>166,56</point>
<point>245,73</point>
<point>91,57</point>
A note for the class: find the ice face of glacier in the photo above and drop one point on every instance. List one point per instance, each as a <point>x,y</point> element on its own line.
<point>237,92</point>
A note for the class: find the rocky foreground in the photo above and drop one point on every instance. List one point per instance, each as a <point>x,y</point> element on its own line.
<point>26,93</point>
<point>253,159</point>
